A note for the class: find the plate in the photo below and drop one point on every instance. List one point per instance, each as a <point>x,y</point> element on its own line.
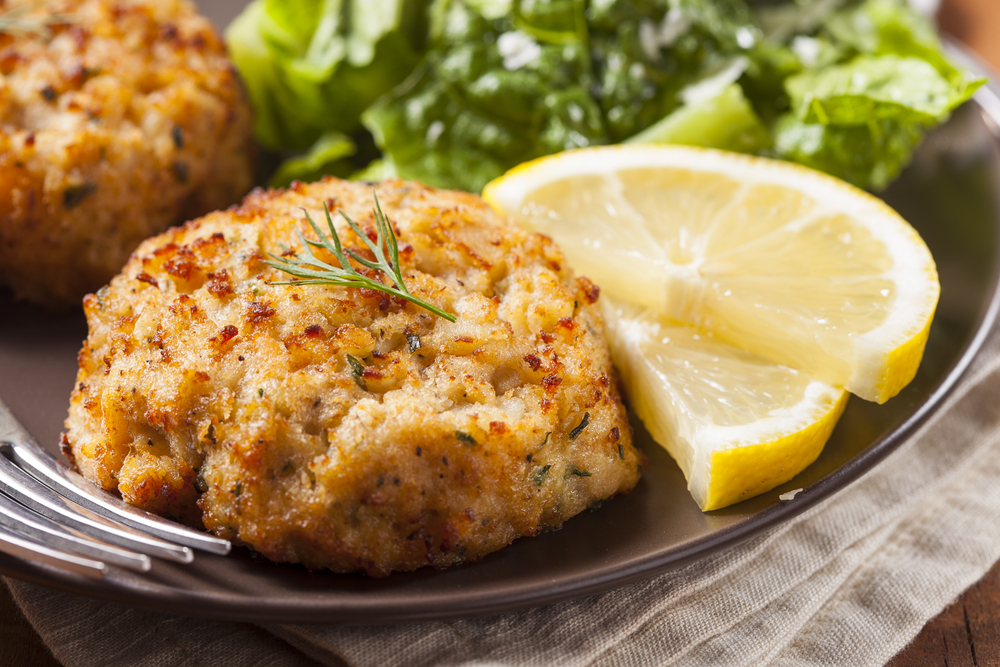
<point>950,194</point>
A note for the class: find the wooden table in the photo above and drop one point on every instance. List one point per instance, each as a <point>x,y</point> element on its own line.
<point>963,635</point>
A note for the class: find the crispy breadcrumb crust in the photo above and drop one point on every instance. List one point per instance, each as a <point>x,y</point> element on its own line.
<point>121,119</point>
<point>345,428</point>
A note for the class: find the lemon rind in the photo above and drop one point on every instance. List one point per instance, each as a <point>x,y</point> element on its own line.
<point>782,459</point>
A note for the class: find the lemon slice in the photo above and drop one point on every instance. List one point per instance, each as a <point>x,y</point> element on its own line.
<point>793,265</point>
<point>737,425</point>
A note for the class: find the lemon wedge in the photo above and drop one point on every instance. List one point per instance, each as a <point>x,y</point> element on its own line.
<point>797,267</point>
<point>736,424</point>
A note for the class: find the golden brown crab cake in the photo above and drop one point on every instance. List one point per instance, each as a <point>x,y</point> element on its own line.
<point>117,119</point>
<point>344,428</point>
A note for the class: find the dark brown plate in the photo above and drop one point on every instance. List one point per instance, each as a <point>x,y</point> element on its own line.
<point>949,194</point>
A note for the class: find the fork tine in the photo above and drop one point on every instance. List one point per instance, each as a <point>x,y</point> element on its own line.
<point>37,528</point>
<point>37,553</point>
<point>50,472</point>
<point>33,494</point>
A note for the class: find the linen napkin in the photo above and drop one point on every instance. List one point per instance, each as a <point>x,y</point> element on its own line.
<point>849,582</point>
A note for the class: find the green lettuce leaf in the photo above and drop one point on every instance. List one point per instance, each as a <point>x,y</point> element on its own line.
<point>726,121</point>
<point>429,134</point>
<point>552,21</point>
<point>263,78</point>
<point>633,91</point>
<point>769,65</point>
<point>891,27</point>
<point>909,90</point>
<point>312,66</point>
<point>880,27</point>
<point>861,118</point>
<point>645,52</point>
<point>328,156</point>
<point>869,156</point>
<point>488,98</point>
<point>782,21</point>
<point>455,92</point>
<point>726,22</point>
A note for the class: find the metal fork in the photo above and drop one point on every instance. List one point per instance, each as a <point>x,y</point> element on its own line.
<point>53,516</point>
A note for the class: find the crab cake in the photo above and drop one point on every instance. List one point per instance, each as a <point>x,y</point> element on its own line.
<point>117,120</point>
<point>345,428</point>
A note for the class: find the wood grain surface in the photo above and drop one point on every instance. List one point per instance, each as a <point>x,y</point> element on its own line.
<point>963,635</point>
<point>966,634</point>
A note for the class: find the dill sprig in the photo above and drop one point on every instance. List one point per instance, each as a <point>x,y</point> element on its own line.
<point>18,21</point>
<point>313,271</point>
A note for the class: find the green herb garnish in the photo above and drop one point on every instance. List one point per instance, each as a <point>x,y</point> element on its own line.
<point>357,371</point>
<point>465,438</point>
<point>579,429</point>
<point>314,271</point>
<point>579,473</point>
<point>542,474</point>
<point>545,441</point>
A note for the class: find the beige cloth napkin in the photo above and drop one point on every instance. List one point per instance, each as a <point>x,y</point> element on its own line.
<point>849,582</point>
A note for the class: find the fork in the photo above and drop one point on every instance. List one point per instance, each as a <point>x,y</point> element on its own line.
<point>52,516</point>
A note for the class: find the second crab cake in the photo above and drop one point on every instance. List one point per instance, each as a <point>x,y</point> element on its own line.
<point>344,428</point>
<point>117,120</point>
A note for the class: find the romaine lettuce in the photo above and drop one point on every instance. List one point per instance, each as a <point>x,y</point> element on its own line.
<point>861,118</point>
<point>312,66</point>
<point>489,96</point>
<point>725,121</point>
<point>329,155</point>
<point>868,88</point>
<point>455,92</point>
<point>869,155</point>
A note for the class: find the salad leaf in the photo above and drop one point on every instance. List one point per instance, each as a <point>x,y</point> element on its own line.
<point>632,90</point>
<point>727,22</point>
<point>646,53</point>
<point>296,19</point>
<point>870,155</point>
<point>551,21</point>
<point>262,76</point>
<point>327,156</point>
<point>891,27</point>
<point>881,27</point>
<point>726,121</point>
<point>313,66</point>
<point>781,22</point>
<point>487,98</point>
<point>874,79</point>
<point>769,65</point>
<point>908,90</point>
<point>455,92</point>
<point>411,125</point>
